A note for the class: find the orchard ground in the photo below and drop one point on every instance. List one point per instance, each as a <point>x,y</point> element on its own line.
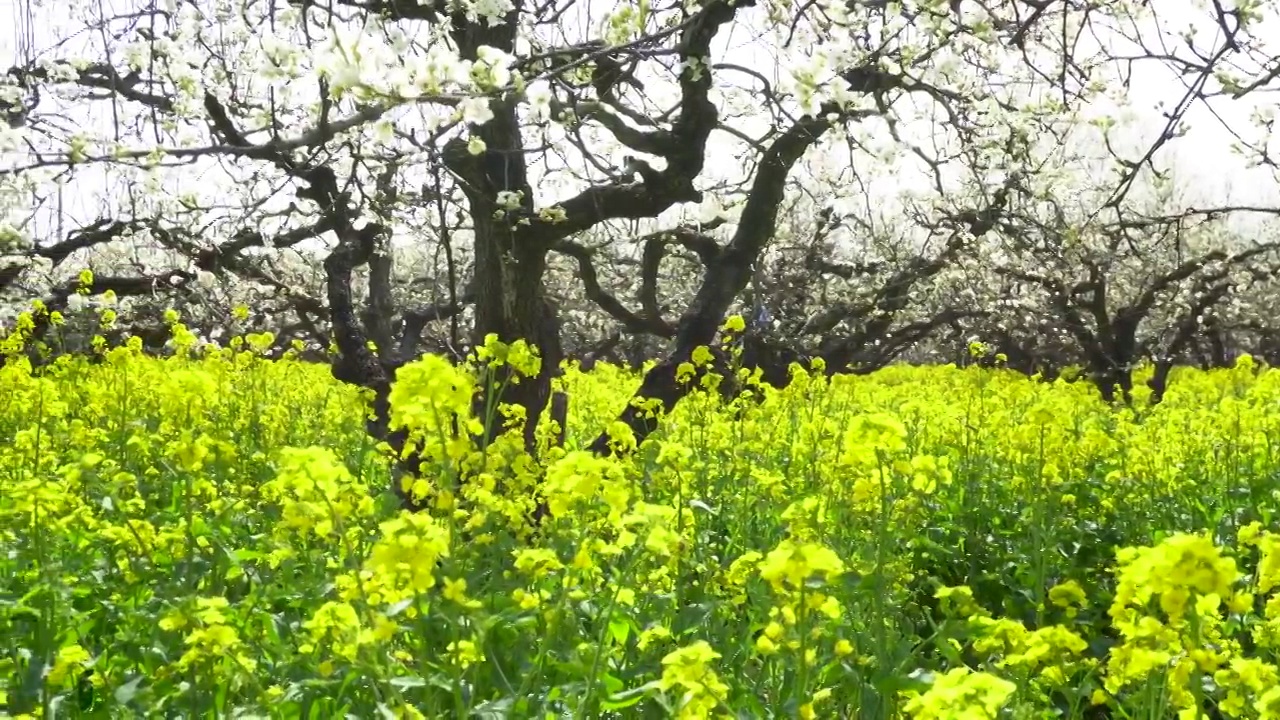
<point>216,536</point>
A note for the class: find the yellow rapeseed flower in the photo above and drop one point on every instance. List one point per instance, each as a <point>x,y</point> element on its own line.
<point>961,694</point>
<point>790,565</point>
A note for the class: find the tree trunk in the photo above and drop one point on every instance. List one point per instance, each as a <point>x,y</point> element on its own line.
<point>512,305</point>
<point>509,270</point>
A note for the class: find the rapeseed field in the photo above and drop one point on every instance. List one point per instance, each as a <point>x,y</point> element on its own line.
<point>214,536</point>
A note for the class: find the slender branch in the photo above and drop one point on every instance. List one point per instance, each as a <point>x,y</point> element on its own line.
<point>606,300</point>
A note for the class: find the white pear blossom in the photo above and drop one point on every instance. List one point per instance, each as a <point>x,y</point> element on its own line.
<point>509,199</point>
<point>490,12</point>
<point>475,111</point>
<point>492,69</point>
<point>538,96</point>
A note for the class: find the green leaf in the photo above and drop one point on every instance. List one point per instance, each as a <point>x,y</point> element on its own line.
<point>622,701</point>
<point>495,709</point>
<point>700,505</point>
<point>404,682</point>
<point>620,629</point>
<point>398,608</point>
<point>628,698</point>
<point>22,612</point>
<point>128,691</point>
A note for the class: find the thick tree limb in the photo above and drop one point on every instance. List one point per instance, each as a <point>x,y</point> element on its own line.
<point>415,321</point>
<point>651,142</point>
<point>655,248</point>
<point>101,76</point>
<point>728,275</point>
<point>634,323</point>
<point>685,153</point>
<point>99,233</point>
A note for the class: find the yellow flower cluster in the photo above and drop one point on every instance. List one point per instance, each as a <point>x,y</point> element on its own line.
<point>213,532</point>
